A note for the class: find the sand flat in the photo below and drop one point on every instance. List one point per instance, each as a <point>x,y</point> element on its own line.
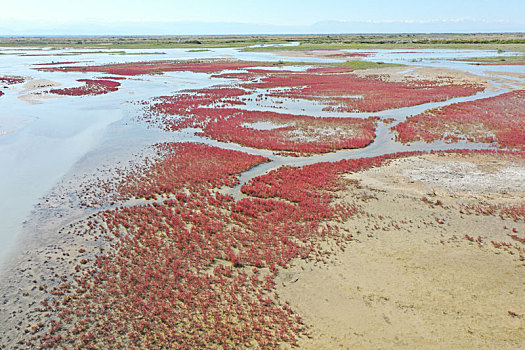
<point>408,281</point>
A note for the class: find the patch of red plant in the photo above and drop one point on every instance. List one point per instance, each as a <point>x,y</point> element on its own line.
<point>236,75</point>
<point>12,80</point>
<point>91,87</point>
<point>250,74</point>
<point>175,167</point>
<point>113,78</point>
<point>158,67</point>
<point>349,93</point>
<point>197,270</point>
<point>335,53</point>
<point>288,132</point>
<point>184,104</point>
<point>329,70</point>
<point>300,185</point>
<point>501,63</point>
<point>498,119</point>
<point>193,166</point>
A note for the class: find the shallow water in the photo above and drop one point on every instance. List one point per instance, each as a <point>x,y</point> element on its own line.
<point>42,143</point>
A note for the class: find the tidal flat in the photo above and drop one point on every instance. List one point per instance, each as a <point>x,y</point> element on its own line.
<point>262,197</point>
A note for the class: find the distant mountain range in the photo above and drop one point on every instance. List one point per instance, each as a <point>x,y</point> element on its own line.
<point>13,28</point>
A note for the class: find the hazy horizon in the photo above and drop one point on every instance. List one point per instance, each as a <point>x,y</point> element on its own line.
<point>230,17</point>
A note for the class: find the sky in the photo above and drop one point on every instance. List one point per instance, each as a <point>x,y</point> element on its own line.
<point>172,17</point>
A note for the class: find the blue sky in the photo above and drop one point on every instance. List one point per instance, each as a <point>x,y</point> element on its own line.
<point>168,17</point>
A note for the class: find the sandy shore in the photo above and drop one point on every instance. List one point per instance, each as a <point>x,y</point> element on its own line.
<point>37,84</point>
<point>29,96</point>
<point>410,279</point>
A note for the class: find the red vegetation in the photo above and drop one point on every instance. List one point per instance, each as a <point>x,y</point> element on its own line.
<point>159,67</point>
<point>502,63</point>
<point>1,93</point>
<point>176,166</point>
<point>174,278</point>
<point>113,78</point>
<point>516,212</point>
<point>250,73</point>
<point>333,53</point>
<point>258,129</point>
<point>184,106</point>
<point>185,103</point>
<point>498,119</point>
<point>12,80</point>
<point>236,75</point>
<point>92,87</point>
<point>349,93</point>
<point>293,133</point>
<point>301,185</point>
<point>193,166</point>
<point>196,271</point>
<point>329,70</point>
<point>342,54</point>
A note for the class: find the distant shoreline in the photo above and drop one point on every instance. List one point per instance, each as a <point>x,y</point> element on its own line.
<point>263,42</point>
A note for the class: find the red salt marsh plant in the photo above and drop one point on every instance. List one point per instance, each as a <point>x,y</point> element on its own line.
<point>499,119</point>
<point>11,80</point>
<point>183,106</point>
<point>514,212</point>
<point>293,133</point>
<point>91,87</point>
<point>258,129</point>
<point>55,63</point>
<point>176,166</point>
<point>193,166</point>
<point>248,74</point>
<point>185,272</point>
<point>197,270</point>
<point>349,93</point>
<point>174,278</point>
<point>159,67</point>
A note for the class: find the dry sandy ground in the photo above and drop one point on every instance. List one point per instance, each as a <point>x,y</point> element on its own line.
<point>37,84</point>
<point>410,279</point>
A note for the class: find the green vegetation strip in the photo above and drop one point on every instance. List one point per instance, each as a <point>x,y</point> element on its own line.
<point>497,41</point>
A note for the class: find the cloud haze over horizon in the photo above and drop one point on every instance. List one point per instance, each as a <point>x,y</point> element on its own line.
<point>162,17</point>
